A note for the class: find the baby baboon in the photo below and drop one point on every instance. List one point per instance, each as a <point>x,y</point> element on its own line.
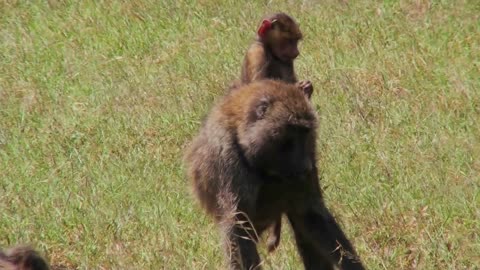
<point>272,54</point>
<point>254,161</point>
<point>22,258</point>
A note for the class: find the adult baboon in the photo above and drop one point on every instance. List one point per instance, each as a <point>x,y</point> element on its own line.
<point>253,161</point>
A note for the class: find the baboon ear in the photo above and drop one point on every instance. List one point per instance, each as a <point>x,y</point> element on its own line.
<point>262,108</point>
<point>264,27</point>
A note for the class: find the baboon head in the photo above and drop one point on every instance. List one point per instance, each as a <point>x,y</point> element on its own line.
<point>277,135</point>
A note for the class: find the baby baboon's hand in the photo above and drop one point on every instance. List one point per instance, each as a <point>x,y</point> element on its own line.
<point>306,87</point>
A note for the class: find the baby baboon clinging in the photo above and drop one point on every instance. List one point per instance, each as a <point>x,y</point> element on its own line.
<point>253,161</point>
<point>273,52</point>
<point>22,258</point>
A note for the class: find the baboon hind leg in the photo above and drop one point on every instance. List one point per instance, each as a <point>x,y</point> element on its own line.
<point>274,235</point>
<point>241,247</point>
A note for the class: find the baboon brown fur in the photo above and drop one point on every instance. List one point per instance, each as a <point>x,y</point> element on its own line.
<point>254,161</point>
<point>273,52</point>
<point>22,258</point>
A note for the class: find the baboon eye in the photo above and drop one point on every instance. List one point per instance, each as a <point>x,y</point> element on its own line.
<point>261,108</point>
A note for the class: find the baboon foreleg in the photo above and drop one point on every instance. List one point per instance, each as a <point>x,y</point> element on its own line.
<point>321,232</point>
<point>312,256</point>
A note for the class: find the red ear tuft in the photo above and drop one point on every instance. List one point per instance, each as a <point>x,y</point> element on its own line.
<point>266,25</point>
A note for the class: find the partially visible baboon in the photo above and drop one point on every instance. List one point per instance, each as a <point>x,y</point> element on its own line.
<point>254,161</point>
<point>22,258</point>
<point>272,53</point>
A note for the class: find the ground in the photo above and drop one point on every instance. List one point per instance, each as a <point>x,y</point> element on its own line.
<point>98,100</point>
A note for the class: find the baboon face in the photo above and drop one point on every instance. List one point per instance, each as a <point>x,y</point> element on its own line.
<point>279,135</point>
<point>281,34</point>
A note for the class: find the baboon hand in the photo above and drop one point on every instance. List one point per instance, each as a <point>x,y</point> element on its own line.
<point>306,87</point>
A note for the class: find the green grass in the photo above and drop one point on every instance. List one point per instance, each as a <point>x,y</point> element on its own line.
<point>98,100</point>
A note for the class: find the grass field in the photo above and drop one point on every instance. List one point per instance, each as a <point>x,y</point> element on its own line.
<point>98,100</point>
